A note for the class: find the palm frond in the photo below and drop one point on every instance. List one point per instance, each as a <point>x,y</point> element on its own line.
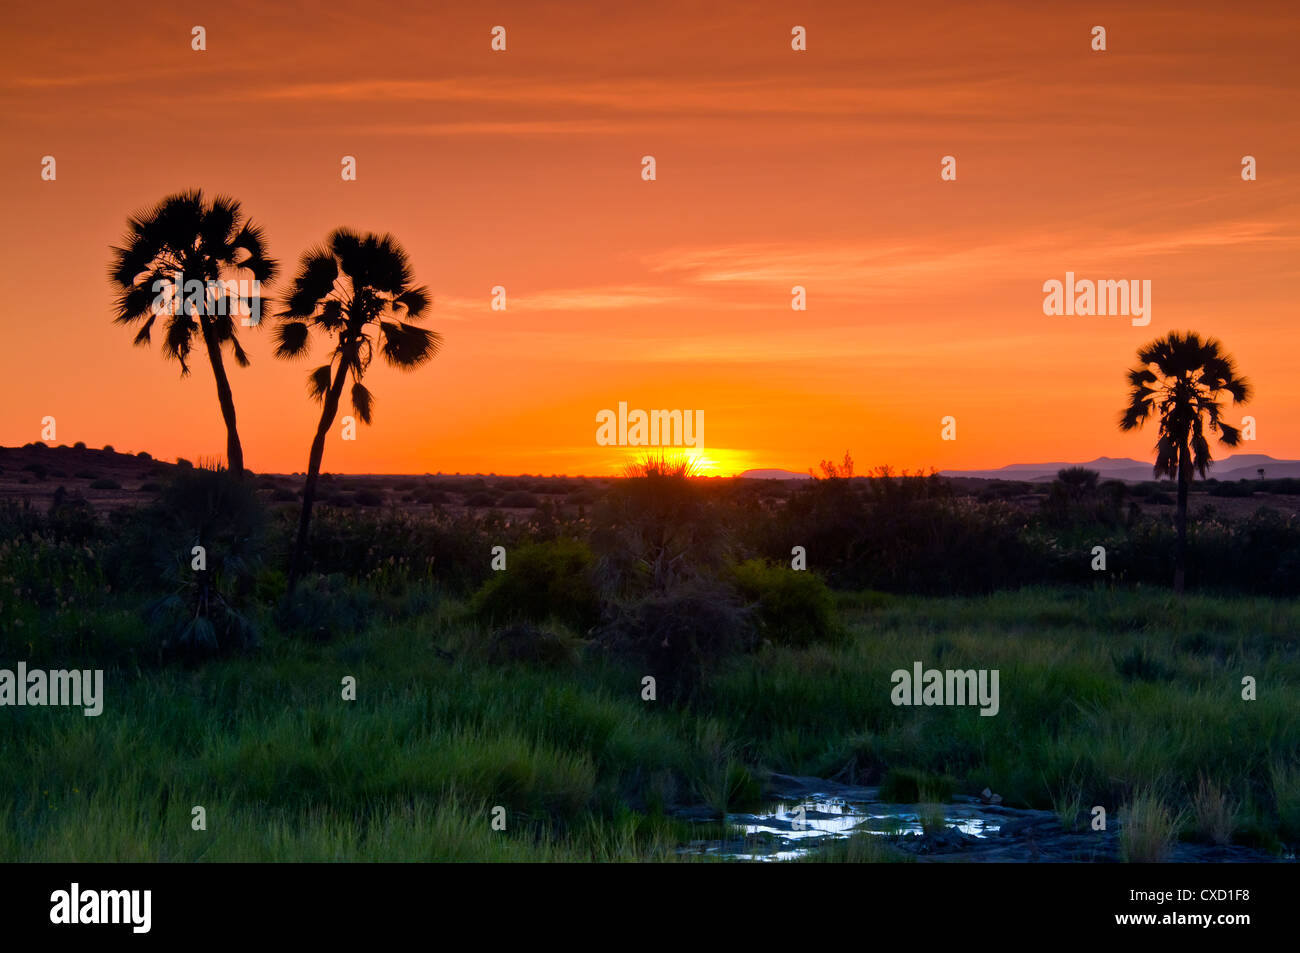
<point>318,382</point>
<point>408,346</point>
<point>362,402</point>
<point>291,338</point>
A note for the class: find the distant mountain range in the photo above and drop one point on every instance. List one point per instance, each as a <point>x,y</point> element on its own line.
<point>774,475</point>
<point>1237,466</point>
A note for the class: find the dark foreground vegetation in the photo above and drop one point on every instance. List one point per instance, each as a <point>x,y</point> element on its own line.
<point>524,687</point>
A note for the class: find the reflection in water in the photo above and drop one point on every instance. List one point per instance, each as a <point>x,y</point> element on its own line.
<point>792,829</point>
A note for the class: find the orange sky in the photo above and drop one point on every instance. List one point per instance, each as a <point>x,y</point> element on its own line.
<point>775,168</point>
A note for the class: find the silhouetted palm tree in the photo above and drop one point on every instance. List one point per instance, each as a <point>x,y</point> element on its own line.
<point>1180,380</point>
<point>182,240</point>
<point>354,289</point>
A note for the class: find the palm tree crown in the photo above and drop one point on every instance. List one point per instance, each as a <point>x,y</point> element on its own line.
<point>186,237</point>
<point>1181,380</point>
<point>358,288</point>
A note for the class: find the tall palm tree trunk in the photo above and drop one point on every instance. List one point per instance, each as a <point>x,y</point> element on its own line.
<point>234,452</point>
<point>1180,516</point>
<point>328,411</point>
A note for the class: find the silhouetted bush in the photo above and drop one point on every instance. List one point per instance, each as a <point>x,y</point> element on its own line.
<point>658,529</point>
<point>202,540</point>
<point>71,518</point>
<point>451,549</point>
<point>105,483</point>
<point>900,534</point>
<point>526,643</point>
<point>677,636</point>
<point>1241,488</point>
<point>518,499</point>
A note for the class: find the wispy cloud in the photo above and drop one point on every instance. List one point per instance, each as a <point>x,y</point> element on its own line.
<point>855,269</point>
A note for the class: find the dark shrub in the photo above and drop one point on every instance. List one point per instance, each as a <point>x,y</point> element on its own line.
<point>150,487</point>
<point>428,494</point>
<point>794,607</point>
<point>481,499</point>
<point>105,483</point>
<point>551,580</point>
<point>519,500</point>
<point>203,615</point>
<point>677,636</point>
<point>38,470</point>
<point>144,455</point>
<point>79,445</point>
<point>530,645</point>
<point>369,498</point>
<point>900,534</point>
<point>326,607</point>
<point>1239,489</point>
<point>71,517</point>
<point>282,494</point>
<point>451,549</point>
<point>656,529</point>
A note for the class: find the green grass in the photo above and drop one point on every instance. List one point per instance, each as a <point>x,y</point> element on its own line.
<point>1105,697</point>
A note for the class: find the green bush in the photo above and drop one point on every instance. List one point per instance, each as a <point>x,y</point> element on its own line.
<point>794,607</point>
<point>542,581</point>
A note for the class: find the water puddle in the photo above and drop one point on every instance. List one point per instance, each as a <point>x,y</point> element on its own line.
<point>793,828</point>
